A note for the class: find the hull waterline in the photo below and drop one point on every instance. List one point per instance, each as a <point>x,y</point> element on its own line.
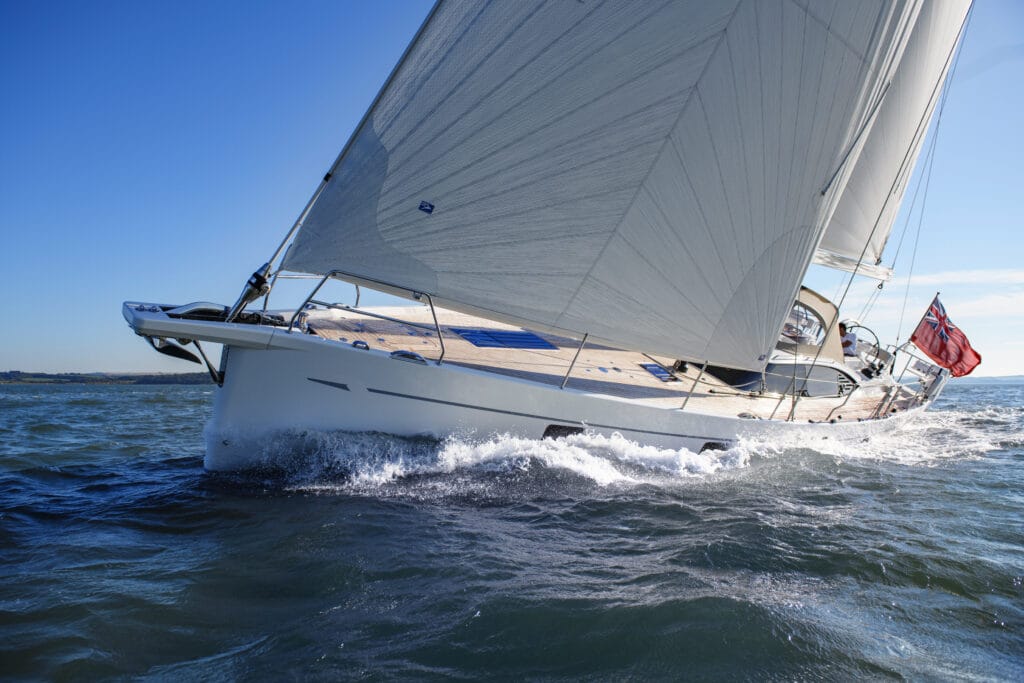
<point>271,394</point>
<point>279,384</point>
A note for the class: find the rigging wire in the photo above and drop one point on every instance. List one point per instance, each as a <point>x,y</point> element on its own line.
<point>929,165</point>
<point>899,244</point>
<point>910,214</point>
<point>839,287</point>
<point>917,189</point>
<point>927,174</point>
<point>872,300</point>
<point>860,260</point>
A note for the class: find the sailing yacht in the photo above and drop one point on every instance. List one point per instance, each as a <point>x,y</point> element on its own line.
<point>601,214</point>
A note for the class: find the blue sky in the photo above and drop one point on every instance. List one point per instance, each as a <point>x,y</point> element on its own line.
<point>159,151</point>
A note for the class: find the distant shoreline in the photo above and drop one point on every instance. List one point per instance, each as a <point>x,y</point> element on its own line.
<point>17,377</point>
<point>1002,379</point>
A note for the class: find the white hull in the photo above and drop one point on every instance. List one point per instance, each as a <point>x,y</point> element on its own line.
<point>326,386</point>
<point>283,383</point>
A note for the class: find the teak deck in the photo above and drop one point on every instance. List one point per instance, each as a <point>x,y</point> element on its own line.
<point>598,369</point>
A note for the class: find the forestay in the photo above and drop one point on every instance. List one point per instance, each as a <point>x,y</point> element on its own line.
<point>648,173</point>
<point>869,204</point>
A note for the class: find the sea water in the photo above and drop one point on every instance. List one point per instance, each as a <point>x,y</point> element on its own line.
<point>493,556</point>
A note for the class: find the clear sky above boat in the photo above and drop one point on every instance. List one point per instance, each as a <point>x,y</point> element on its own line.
<point>159,152</point>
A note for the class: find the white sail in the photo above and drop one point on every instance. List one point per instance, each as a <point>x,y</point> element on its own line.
<point>869,204</point>
<point>850,264</point>
<point>649,173</point>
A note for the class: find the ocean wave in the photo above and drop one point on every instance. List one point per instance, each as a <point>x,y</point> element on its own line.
<point>87,402</point>
<point>46,428</point>
<point>332,460</point>
<point>931,438</point>
<point>324,460</point>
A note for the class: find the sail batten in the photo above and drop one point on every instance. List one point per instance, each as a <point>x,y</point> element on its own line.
<point>648,174</point>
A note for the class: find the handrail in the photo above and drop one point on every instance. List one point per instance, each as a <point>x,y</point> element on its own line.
<point>720,384</point>
<point>920,394</point>
<point>302,307</point>
<point>371,314</point>
<point>905,348</point>
<point>440,337</point>
<point>890,396</point>
<point>845,401</point>
<point>416,295</point>
<point>333,273</point>
<point>281,275</point>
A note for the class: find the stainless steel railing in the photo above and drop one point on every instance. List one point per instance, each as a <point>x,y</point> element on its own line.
<point>355,309</point>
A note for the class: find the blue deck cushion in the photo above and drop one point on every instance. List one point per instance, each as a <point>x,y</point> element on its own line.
<point>659,372</point>
<point>509,339</point>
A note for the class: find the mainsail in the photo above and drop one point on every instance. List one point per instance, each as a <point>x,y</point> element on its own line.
<point>868,207</point>
<point>656,174</point>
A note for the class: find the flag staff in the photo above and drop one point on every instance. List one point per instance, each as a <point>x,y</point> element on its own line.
<point>925,314</point>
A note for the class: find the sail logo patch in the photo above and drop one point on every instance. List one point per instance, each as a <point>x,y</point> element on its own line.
<point>426,207</point>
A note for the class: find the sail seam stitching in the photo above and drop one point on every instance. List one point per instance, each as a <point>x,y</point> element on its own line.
<point>682,294</point>
<point>654,161</point>
<point>533,179</point>
<point>579,61</point>
<point>685,247</point>
<point>427,116</point>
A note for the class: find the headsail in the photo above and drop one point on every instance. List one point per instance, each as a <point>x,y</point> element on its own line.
<point>871,200</point>
<point>646,172</point>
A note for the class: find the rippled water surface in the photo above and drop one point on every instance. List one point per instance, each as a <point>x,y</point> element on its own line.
<point>383,558</point>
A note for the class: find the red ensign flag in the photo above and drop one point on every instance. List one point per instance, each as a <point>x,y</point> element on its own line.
<point>944,343</point>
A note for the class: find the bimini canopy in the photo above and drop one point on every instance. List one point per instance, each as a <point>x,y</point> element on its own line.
<point>649,173</point>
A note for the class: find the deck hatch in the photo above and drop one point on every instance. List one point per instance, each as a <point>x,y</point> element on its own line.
<point>509,339</point>
<point>659,372</point>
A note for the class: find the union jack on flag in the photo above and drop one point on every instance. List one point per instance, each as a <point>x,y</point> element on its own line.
<point>943,342</point>
<point>938,320</point>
